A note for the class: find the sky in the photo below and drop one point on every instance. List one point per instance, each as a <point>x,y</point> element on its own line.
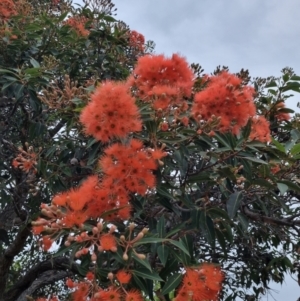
<point>261,36</point>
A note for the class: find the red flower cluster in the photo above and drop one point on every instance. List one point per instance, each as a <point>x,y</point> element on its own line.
<point>260,129</point>
<point>224,97</point>
<point>111,113</point>
<point>84,290</point>
<point>136,40</point>
<point>129,167</point>
<point>26,160</point>
<point>7,9</point>
<point>78,24</point>
<point>161,80</point>
<point>201,284</point>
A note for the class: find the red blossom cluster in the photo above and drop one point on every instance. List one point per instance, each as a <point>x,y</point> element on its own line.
<point>227,99</point>
<point>111,113</point>
<point>162,81</point>
<point>201,284</point>
<point>26,160</point>
<point>7,9</point>
<point>129,167</point>
<point>260,129</point>
<point>78,24</point>
<point>136,40</point>
<point>90,290</point>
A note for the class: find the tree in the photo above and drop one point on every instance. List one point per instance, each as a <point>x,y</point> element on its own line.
<point>140,176</point>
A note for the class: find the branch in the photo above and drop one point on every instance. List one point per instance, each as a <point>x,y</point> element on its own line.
<point>48,277</point>
<point>269,220</point>
<point>27,281</point>
<point>7,258</point>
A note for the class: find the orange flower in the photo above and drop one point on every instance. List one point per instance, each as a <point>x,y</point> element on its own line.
<point>225,97</point>
<point>111,113</point>
<point>136,40</point>
<point>211,275</point>
<point>129,167</point>
<point>81,292</point>
<point>47,242</point>
<point>201,284</point>
<point>260,129</point>
<point>78,23</point>
<point>123,276</point>
<point>90,276</point>
<point>162,81</point>
<point>74,218</point>
<point>112,295</point>
<point>108,242</point>
<point>134,295</point>
<point>7,9</point>
<point>275,169</point>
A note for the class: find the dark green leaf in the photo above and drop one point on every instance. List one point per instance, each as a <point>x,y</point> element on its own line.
<point>233,203</point>
<point>146,274</point>
<point>163,253</point>
<point>172,283</point>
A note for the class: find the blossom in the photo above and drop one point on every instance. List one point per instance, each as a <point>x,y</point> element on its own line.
<point>260,129</point>
<point>47,242</point>
<point>78,24</point>
<point>224,97</point>
<point>203,283</point>
<point>108,242</point>
<point>162,81</point>
<point>90,276</point>
<point>81,292</point>
<point>134,295</point>
<point>111,294</point>
<point>123,276</point>
<point>7,9</point>
<point>111,113</point>
<point>128,166</point>
<point>136,40</point>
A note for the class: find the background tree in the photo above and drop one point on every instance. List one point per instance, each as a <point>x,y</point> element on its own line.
<point>194,169</point>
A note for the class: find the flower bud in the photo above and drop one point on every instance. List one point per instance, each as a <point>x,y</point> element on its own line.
<point>141,256</point>
<point>110,276</point>
<point>125,256</point>
<point>94,257</point>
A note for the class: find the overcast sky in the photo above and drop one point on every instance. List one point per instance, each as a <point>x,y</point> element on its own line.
<point>259,35</point>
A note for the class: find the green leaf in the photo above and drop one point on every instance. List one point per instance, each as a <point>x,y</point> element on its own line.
<point>253,159</point>
<point>172,283</point>
<point>140,282</point>
<point>179,245</point>
<point>144,273</point>
<point>207,227</point>
<point>221,239</point>
<point>149,240</point>
<point>233,203</point>
<point>295,149</point>
<point>163,253</point>
<point>243,220</point>
<point>292,186</point>
<point>283,188</point>
<point>271,84</point>
<point>278,145</point>
<point>161,227</point>
<point>142,262</point>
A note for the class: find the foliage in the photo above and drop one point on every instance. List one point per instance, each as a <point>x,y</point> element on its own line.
<point>187,182</point>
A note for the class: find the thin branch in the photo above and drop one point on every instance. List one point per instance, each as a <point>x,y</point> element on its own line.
<point>27,281</point>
